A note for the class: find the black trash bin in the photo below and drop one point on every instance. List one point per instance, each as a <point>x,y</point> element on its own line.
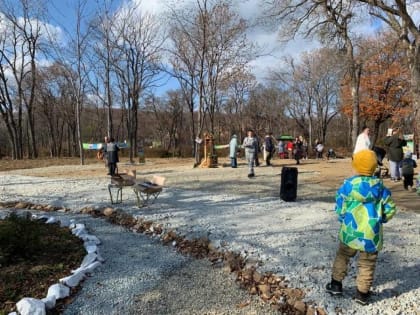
<point>288,185</point>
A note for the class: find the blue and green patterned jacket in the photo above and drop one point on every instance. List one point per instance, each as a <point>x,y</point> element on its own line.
<point>363,204</point>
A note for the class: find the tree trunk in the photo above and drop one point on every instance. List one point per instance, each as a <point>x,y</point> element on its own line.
<point>79,132</point>
<point>415,91</point>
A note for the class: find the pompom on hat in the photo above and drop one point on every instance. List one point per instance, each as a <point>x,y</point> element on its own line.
<point>365,162</point>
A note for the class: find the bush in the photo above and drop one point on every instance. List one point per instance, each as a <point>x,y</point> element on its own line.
<point>20,237</point>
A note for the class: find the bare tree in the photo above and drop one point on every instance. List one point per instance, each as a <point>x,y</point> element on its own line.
<point>208,41</point>
<point>168,114</point>
<point>331,22</point>
<point>20,42</point>
<point>104,59</point>
<point>237,85</point>
<point>139,45</point>
<point>312,86</point>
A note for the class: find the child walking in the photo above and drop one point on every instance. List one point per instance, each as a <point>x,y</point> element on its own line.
<point>408,166</point>
<point>363,205</point>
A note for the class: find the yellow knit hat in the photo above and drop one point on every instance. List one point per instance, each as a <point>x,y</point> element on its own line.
<point>365,162</point>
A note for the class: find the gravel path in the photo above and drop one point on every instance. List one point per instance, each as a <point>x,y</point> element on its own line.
<point>297,240</point>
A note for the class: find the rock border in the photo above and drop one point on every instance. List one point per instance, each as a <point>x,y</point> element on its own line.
<point>60,290</point>
<point>271,288</point>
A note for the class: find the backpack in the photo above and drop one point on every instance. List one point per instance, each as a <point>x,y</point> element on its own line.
<point>269,147</point>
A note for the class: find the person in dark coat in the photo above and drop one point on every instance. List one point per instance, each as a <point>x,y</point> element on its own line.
<point>395,145</point>
<point>269,148</point>
<point>408,166</point>
<point>112,156</point>
<point>298,149</point>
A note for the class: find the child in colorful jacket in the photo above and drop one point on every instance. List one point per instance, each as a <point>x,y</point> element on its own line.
<point>363,205</point>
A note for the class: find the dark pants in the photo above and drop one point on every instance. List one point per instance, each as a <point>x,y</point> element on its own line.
<point>112,168</point>
<point>233,162</point>
<point>257,162</point>
<point>269,155</point>
<point>408,180</point>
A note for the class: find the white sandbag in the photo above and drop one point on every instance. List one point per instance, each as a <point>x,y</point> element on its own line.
<point>99,257</point>
<point>80,226</point>
<point>88,259</point>
<point>73,280</point>
<point>31,306</point>
<point>72,224</point>
<point>79,231</point>
<point>49,302</point>
<point>51,220</point>
<point>90,238</point>
<point>64,222</point>
<point>88,269</point>
<point>90,247</point>
<point>59,291</point>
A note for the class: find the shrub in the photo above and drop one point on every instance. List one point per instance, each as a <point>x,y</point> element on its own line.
<point>20,237</point>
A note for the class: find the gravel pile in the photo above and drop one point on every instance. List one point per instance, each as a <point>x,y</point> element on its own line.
<point>297,240</point>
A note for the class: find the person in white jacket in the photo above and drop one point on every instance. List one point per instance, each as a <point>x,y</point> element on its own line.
<point>233,147</point>
<point>363,140</point>
<point>250,145</point>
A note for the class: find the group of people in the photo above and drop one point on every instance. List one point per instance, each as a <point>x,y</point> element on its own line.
<point>252,148</point>
<point>296,149</point>
<point>401,165</point>
<point>363,205</point>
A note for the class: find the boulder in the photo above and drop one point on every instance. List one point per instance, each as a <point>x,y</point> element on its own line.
<point>31,306</point>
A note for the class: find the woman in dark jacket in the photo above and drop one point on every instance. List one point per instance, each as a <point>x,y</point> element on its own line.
<point>395,153</point>
<point>112,156</point>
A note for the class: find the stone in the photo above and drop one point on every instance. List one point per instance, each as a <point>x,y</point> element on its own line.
<point>300,307</point>
<point>108,211</point>
<point>31,306</point>
<point>59,291</point>
<point>21,205</point>
<point>73,280</point>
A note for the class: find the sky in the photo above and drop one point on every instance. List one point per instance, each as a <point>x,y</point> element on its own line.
<point>63,13</point>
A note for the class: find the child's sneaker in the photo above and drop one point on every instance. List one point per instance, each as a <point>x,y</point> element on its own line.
<point>362,298</point>
<point>334,287</point>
